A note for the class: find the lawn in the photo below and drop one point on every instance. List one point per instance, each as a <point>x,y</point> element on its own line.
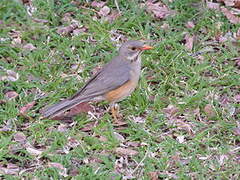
<point>182,122</point>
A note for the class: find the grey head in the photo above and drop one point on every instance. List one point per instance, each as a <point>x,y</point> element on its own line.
<point>132,49</point>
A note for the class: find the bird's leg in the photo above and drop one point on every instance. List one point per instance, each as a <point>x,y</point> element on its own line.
<point>115,112</point>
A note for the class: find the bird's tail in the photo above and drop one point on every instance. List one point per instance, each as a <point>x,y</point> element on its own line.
<point>60,107</point>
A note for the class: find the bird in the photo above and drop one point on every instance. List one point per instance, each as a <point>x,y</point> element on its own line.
<point>112,83</point>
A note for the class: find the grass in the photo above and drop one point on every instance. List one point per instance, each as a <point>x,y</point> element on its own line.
<point>169,75</point>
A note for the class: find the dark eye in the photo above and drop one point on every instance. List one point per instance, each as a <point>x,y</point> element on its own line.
<point>133,48</point>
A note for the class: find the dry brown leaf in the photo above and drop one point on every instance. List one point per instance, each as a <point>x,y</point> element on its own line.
<point>237,98</point>
<point>119,137</point>
<point>89,126</point>
<point>171,110</point>
<point>165,26</point>
<point>189,41</point>
<point>190,24</point>
<point>29,47</point>
<point>67,29</point>
<point>209,110</point>
<point>11,75</point>
<point>231,17</point>
<point>158,9</point>
<point>98,4</point>
<point>74,172</point>
<point>212,5</point>
<point>33,151</point>
<point>181,124</point>
<point>237,4</point>
<point>126,151</point>
<point>78,31</point>
<point>238,63</point>
<point>20,137</point>
<point>8,125</point>
<point>60,167</point>
<point>181,139</point>
<point>80,108</point>
<point>62,128</point>
<point>27,107</point>
<point>104,11</point>
<point>112,16</point>
<point>237,34</point>
<point>229,3</point>
<point>11,95</point>
<point>40,20</point>
<point>133,144</point>
<point>72,142</point>
<point>11,169</point>
<point>153,175</point>
<point>139,119</point>
<point>236,131</point>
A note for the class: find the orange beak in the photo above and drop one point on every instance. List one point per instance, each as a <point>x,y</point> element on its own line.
<point>146,47</point>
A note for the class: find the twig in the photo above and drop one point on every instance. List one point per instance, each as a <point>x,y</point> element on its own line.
<point>145,156</point>
<point>116,4</point>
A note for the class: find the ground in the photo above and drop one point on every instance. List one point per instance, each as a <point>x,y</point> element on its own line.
<point>182,122</point>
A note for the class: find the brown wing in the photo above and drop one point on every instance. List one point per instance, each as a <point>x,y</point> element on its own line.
<point>113,75</point>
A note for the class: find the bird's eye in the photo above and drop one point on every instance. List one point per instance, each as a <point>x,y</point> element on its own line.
<point>133,48</point>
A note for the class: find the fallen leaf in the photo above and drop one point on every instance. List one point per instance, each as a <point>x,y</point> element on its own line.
<point>67,30</point>
<point>119,137</point>
<point>74,172</point>
<point>181,124</point>
<point>8,126</point>
<point>67,18</point>
<point>102,138</point>
<point>126,151</point>
<point>165,26</point>
<point>237,98</point>
<point>33,151</point>
<point>27,107</point>
<point>158,9</point>
<point>133,144</point>
<point>104,11</point>
<point>229,3</point>
<point>12,76</point>
<point>20,137</point>
<point>89,126</point>
<point>171,110</point>
<point>209,110</point>
<point>231,17</point>
<point>83,107</point>
<point>190,24</point>
<point>153,175</point>
<point>189,41</point>
<point>112,16</point>
<point>60,167</point>
<point>29,47</point>
<point>11,95</point>
<point>237,34</point>
<point>212,5</point>
<point>236,131</point>
<point>72,142</point>
<point>62,128</point>
<point>180,139</point>
<point>238,63</point>
<point>139,119</point>
<point>78,31</point>
<point>11,169</point>
<point>98,4</point>
<point>40,20</point>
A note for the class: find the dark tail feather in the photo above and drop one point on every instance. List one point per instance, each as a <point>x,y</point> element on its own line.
<point>60,107</point>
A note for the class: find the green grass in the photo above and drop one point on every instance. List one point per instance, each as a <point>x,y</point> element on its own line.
<point>177,78</point>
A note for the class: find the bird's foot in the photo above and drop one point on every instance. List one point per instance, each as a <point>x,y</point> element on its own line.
<point>115,113</point>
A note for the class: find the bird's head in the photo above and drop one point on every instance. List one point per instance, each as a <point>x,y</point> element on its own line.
<point>132,49</point>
